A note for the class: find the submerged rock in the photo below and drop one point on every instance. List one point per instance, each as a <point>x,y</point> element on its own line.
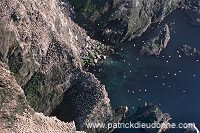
<point>149,114</point>
<point>189,51</point>
<point>156,42</point>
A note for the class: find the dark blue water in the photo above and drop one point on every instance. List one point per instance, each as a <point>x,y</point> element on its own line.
<point>170,81</point>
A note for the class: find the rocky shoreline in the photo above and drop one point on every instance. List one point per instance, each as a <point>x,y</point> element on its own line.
<point>45,53</point>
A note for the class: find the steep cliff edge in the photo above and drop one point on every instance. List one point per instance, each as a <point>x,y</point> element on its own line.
<point>17,116</point>
<point>113,21</point>
<point>46,51</point>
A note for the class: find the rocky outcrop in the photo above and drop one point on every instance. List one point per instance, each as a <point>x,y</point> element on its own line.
<point>46,52</point>
<point>113,21</point>
<point>189,51</point>
<point>192,9</point>
<point>89,93</point>
<point>192,129</point>
<point>149,113</point>
<point>156,42</point>
<point>17,116</point>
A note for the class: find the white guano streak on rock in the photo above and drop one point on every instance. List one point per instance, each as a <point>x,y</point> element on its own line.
<point>137,3</point>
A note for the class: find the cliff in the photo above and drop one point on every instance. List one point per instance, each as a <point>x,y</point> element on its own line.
<point>114,21</point>
<point>46,52</point>
<point>43,53</point>
<point>17,116</point>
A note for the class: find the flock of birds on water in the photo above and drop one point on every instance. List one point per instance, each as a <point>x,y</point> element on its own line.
<point>167,60</point>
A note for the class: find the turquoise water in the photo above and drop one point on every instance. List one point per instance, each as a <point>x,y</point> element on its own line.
<point>171,80</point>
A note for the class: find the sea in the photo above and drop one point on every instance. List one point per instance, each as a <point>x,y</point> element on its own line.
<point>171,80</point>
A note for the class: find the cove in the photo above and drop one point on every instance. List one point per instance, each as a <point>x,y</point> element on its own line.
<point>171,80</point>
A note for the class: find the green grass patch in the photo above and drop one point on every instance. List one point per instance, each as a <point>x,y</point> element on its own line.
<point>32,90</point>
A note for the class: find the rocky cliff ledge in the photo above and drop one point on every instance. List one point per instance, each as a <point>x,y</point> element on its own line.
<point>46,52</point>
<point>17,116</point>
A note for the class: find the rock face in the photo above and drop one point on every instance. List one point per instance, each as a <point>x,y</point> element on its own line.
<point>46,52</point>
<point>156,42</point>
<point>189,51</point>
<point>17,116</point>
<point>114,21</point>
<point>149,113</point>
